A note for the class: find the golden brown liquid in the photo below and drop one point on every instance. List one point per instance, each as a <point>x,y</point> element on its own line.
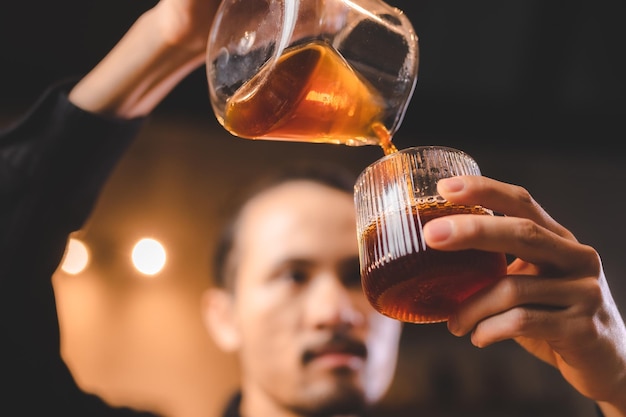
<point>310,95</point>
<point>426,285</point>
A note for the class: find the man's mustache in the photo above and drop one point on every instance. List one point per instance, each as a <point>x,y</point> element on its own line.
<point>335,343</point>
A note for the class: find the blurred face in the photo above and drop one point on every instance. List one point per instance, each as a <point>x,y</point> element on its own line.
<point>308,340</point>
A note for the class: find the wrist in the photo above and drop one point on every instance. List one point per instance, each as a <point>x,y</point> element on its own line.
<point>144,66</point>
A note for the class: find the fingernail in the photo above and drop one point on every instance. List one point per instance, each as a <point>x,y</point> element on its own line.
<point>437,230</point>
<point>452,185</point>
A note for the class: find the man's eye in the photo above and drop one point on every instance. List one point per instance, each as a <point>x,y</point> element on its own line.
<point>351,276</point>
<point>298,276</point>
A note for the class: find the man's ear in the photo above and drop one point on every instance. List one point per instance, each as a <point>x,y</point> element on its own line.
<point>218,314</point>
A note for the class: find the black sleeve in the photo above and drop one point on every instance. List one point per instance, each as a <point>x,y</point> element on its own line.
<point>53,163</point>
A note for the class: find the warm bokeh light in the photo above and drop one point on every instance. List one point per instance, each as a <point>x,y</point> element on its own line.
<point>148,256</point>
<point>76,257</point>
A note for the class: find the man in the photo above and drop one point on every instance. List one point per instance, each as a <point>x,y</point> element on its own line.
<point>289,300</point>
<point>290,305</point>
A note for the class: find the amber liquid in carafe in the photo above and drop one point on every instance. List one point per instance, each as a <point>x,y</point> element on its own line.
<point>311,94</point>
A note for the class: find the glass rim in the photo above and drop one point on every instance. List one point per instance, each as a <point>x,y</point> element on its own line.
<point>412,149</point>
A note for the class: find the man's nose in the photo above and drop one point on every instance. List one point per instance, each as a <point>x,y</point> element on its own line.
<point>330,303</point>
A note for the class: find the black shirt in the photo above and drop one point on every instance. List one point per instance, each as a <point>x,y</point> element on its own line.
<point>53,165</point>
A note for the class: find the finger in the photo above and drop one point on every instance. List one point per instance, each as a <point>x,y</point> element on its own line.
<point>521,305</point>
<point>522,238</point>
<point>520,322</point>
<point>503,198</point>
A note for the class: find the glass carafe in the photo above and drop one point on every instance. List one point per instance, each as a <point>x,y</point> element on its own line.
<point>334,71</point>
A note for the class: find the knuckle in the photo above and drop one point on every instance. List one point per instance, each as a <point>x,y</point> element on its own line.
<point>510,290</point>
<point>593,294</point>
<point>593,259</point>
<point>521,320</point>
<point>587,330</point>
<point>528,231</point>
<point>523,195</point>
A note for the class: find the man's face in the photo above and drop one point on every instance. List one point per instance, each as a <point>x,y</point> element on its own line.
<point>308,339</point>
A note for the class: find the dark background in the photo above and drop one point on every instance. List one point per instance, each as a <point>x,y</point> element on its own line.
<point>552,70</point>
<point>533,89</point>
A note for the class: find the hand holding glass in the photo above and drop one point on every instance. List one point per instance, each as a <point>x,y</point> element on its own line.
<point>402,277</point>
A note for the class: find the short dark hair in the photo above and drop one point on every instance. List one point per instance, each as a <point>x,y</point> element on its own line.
<point>325,173</point>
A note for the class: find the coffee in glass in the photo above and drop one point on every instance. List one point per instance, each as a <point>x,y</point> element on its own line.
<point>402,277</point>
